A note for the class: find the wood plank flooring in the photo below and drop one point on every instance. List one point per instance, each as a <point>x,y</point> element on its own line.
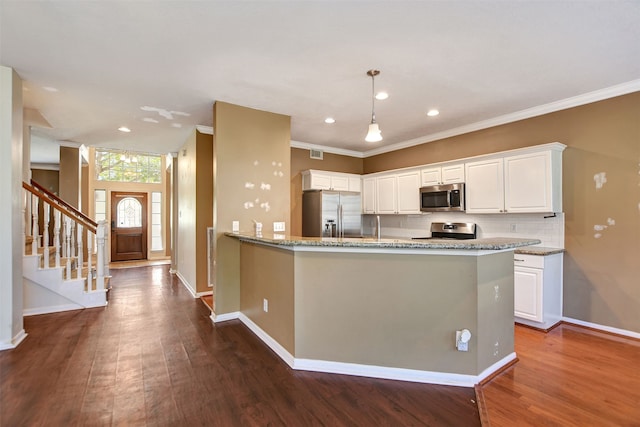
<point>153,357</point>
<point>571,376</point>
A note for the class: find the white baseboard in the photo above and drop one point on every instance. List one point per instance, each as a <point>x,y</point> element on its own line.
<point>371,371</point>
<point>217,318</point>
<point>202,294</point>
<point>269,341</point>
<point>51,309</point>
<point>185,283</point>
<point>15,341</point>
<point>618,331</point>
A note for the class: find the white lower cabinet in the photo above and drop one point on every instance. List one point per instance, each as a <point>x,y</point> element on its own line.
<point>537,282</point>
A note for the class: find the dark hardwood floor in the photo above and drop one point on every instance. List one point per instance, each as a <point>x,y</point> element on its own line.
<point>571,376</point>
<point>153,357</point>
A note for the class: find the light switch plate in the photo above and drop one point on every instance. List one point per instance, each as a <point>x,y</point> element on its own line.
<point>235,226</point>
<point>278,226</point>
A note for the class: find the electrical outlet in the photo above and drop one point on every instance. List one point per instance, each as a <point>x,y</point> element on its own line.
<point>235,226</point>
<point>514,228</point>
<point>265,305</point>
<point>462,340</point>
<point>278,226</point>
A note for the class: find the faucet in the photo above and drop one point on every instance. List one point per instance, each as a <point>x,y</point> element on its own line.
<point>378,226</point>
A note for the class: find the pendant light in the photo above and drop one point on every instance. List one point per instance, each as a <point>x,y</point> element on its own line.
<point>374,134</point>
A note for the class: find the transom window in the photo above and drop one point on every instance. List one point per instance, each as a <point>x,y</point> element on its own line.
<point>123,166</point>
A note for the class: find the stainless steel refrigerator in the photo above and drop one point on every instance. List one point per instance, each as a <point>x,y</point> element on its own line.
<point>331,214</point>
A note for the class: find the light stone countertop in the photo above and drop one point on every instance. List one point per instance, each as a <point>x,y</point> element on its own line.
<point>492,244</point>
<point>539,250</point>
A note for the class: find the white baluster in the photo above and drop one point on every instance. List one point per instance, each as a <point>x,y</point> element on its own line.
<point>100,238</point>
<point>56,235</point>
<point>67,245</point>
<point>72,239</point>
<point>80,250</point>
<point>89,257</point>
<point>34,228</point>
<point>45,233</point>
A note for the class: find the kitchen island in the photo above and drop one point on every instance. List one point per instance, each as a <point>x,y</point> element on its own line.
<point>386,308</point>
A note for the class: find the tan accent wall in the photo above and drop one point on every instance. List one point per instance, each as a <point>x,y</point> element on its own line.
<point>267,273</point>
<point>600,272</point>
<point>70,176</point>
<point>300,161</point>
<point>204,206</point>
<point>251,182</point>
<point>49,179</point>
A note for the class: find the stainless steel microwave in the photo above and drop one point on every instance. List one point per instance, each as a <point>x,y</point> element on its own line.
<point>442,198</point>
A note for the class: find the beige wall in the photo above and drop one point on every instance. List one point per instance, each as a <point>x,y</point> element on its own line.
<point>251,182</point>
<point>204,206</point>
<point>600,273</point>
<point>185,222</point>
<point>267,273</point>
<point>300,161</point>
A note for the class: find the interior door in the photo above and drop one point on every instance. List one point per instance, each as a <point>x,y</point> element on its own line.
<point>128,226</point>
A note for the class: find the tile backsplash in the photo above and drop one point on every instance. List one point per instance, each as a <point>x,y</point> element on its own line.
<point>549,230</point>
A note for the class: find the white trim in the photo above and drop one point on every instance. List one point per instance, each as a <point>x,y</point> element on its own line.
<point>185,283</point>
<point>371,371</point>
<point>15,341</point>
<point>45,166</point>
<point>52,309</point>
<point>217,318</point>
<point>326,149</point>
<point>270,342</point>
<point>202,294</point>
<point>563,104</point>
<point>613,330</point>
<point>205,129</point>
<point>400,374</point>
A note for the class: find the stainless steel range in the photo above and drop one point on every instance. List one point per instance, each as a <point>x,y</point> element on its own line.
<point>451,230</point>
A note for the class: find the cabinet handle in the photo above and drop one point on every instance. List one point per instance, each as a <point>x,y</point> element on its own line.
<point>518,260</point>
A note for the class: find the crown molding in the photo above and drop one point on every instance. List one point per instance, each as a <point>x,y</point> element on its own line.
<point>205,129</point>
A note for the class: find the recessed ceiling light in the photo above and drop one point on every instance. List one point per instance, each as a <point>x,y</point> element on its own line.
<point>433,113</point>
<point>381,95</point>
<point>329,120</point>
<point>124,129</point>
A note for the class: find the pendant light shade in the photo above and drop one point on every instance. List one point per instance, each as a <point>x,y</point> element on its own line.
<point>374,134</point>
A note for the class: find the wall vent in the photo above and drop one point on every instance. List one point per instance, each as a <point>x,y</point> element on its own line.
<point>316,154</point>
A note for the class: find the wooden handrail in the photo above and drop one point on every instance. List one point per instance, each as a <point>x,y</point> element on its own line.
<point>63,207</point>
<point>75,211</point>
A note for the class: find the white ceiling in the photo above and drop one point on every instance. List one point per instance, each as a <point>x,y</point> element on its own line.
<point>478,62</point>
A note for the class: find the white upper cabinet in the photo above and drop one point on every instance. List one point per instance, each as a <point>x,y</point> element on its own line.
<point>323,180</point>
<point>484,190</point>
<point>447,174</point>
<point>369,195</point>
<point>408,192</point>
<point>521,183</point>
<point>386,195</point>
<point>532,183</point>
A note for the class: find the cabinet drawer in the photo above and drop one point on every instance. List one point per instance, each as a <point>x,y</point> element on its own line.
<point>532,261</point>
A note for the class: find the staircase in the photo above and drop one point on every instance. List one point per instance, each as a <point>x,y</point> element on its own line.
<point>66,275</point>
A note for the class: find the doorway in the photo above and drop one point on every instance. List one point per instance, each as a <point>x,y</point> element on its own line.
<point>128,226</point>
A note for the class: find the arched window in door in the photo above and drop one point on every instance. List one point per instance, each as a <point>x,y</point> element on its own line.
<point>129,213</point>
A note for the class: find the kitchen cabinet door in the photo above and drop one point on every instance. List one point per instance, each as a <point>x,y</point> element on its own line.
<point>355,183</point>
<point>386,195</point>
<point>453,174</point>
<point>369,195</point>
<point>431,176</point>
<point>485,186</point>
<point>528,183</point>
<point>527,291</point>
<point>339,183</point>
<point>408,193</point>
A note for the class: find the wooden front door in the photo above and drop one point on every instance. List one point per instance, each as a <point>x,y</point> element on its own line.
<point>128,226</point>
